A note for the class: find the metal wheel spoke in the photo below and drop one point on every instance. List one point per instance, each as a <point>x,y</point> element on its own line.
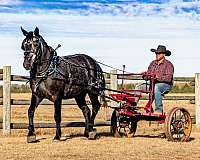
<point>175,116</point>
<point>179,125</point>
<point>119,129</point>
<point>182,116</point>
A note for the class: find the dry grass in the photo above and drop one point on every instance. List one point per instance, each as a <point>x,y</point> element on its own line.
<point>107,147</point>
<point>145,145</point>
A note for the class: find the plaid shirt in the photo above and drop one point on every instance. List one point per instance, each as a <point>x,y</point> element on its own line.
<point>164,71</point>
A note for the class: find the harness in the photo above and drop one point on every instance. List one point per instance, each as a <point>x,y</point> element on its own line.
<point>53,71</point>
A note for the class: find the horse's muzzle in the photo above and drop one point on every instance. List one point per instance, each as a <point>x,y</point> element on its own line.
<point>27,66</point>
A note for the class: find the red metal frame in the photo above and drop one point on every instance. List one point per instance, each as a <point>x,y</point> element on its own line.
<point>128,106</point>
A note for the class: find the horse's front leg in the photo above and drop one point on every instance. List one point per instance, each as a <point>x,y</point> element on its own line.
<point>35,100</point>
<point>57,118</point>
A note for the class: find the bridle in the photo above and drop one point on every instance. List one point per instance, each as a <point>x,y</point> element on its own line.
<point>41,46</point>
<point>36,41</point>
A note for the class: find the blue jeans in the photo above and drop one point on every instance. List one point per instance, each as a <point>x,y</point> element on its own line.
<point>159,90</point>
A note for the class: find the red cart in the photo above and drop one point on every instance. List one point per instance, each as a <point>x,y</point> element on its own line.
<point>178,123</point>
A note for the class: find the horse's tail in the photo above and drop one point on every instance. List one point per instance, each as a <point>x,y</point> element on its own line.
<point>100,79</point>
<point>104,102</point>
<point>101,85</point>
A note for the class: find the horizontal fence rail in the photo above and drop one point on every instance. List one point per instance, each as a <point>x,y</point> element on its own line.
<point>133,77</point>
<point>73,102</point>
<point>53,125</point>
<point>44,102</point>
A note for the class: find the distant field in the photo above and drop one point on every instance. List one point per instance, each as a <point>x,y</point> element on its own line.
<point>146,145</point>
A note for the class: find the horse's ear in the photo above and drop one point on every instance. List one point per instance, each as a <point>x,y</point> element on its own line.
<point>36,31</point>
<point>24,32</point>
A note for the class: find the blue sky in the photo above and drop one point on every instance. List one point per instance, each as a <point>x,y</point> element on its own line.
<point>189,8</point>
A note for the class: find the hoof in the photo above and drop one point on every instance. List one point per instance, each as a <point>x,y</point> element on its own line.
<point>92,135</point>
<point>65,137</point>
<point>31,139</point>
<point>55,140</point>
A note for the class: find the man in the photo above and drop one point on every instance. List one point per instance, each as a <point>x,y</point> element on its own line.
<point>163,70</point>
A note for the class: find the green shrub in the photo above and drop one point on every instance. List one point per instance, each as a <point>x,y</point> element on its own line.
<point>126,86</point>
<point>176,88</point>
<point>16,88</point>
<point>183,88</point>
<point>1,91</point>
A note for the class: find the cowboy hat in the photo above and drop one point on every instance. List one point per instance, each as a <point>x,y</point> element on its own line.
<point>161,49</point>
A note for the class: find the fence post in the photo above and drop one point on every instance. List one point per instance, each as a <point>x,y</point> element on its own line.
<point>113,84</point>
<point>6,100</point>
<point>197,98</point>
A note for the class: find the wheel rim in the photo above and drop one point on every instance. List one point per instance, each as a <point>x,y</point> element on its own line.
<point>179,125</point>
<point>122,129</point>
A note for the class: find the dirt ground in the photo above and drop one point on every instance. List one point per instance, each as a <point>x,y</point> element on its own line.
<point>147,143</point>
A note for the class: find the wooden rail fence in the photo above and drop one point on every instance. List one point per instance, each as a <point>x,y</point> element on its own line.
<point>111,80</point>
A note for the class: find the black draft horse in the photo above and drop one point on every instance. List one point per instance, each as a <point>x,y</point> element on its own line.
<point>56,78</point>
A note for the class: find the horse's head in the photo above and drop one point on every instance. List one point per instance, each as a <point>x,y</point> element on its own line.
<point>31,46</point>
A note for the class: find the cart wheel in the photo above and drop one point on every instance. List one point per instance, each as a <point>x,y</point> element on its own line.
<point>178,125</point>
<point>120,128</point>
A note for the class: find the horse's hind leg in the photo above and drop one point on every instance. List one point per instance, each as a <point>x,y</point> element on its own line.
<point>80,100</point>
<point>35,100</point>
<point>95,107</point>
